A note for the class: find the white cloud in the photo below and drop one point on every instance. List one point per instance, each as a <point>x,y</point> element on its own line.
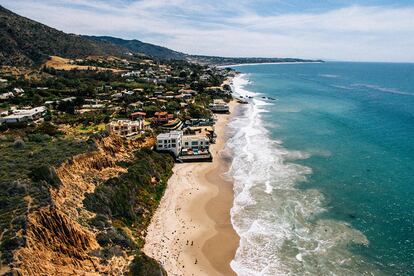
<point>200,27</point>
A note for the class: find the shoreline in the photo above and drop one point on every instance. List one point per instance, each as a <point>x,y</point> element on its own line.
<point>193,220</point>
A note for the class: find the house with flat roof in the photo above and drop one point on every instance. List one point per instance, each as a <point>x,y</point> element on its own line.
<point>171,141</point>
<point>196,142</point>
<point>185,147</point>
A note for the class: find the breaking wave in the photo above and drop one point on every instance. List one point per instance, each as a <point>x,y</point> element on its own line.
<point>280,232</point>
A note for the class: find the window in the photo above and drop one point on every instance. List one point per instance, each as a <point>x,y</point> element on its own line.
<point>173,145</point>
<point>173,140</point>
<point>194,143</point>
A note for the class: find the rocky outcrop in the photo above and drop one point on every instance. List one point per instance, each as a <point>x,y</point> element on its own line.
<point>57,238</point>
<point>55,244</point>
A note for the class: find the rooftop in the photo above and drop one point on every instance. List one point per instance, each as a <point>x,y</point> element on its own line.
<point>169,135</point>
<point>161,113</point>
<point>138,113</point>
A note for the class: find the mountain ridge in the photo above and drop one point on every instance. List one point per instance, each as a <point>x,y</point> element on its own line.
<point>139,46</point>
<point>25,42</point>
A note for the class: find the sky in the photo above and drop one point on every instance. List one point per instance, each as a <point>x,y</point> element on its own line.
<point>347,30</point>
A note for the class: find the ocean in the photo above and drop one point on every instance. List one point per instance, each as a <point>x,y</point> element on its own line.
<point>323,168</point>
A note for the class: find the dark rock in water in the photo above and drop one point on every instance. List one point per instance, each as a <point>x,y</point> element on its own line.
<point>352,216</point>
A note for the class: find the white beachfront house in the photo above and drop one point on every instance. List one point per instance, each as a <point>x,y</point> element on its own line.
<point>125,127</point>
<point>196,142</point>
<point>219,106</point>
<point>180,144</point>
<point>171,141</point>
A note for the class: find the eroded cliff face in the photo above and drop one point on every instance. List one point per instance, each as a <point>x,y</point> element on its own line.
<point>58,239</point>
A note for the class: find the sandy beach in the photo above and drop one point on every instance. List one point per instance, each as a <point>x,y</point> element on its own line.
<point>191,232</point>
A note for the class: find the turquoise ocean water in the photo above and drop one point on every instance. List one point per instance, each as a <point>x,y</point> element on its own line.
<point>324,171</point>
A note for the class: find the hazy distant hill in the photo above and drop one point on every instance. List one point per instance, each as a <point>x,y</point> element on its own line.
<point>212,60</point>
<point>142,47</point>
<point>27,42</point>
<point>156,51</point>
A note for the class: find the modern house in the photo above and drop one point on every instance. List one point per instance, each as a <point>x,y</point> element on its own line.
<point>198,142</point>
<point>219,106</point>
<point>185,147</point>
<point>125,127</point>
<point>171,142</point>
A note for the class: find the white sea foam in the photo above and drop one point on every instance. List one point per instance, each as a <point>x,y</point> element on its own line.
<point>378,88</point>
<point>374,87</point>
<point>332,76</point>
<point>276,221</point>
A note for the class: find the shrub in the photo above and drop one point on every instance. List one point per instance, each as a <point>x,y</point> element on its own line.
<point>146,266</point>
<point>49,129</point>
<point>38,137</point>
<point>19,144</point>
<point>47,174</point>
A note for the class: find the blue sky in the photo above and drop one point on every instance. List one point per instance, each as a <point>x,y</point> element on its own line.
<point>370,30</point>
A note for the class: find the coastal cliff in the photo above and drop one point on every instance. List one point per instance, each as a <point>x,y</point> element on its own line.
<point>81,230</point>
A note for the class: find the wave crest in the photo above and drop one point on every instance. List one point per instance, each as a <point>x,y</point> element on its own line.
<point>276,221</point>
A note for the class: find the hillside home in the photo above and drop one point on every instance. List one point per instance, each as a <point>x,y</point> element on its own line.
<point>18,91</point>
<point>125,127</point>
<point>188,91</point>
<point>24,115</point>
<point>138,115</point>
<point>162,117</point>
<point>6,96</point>
<point>158,93</point>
